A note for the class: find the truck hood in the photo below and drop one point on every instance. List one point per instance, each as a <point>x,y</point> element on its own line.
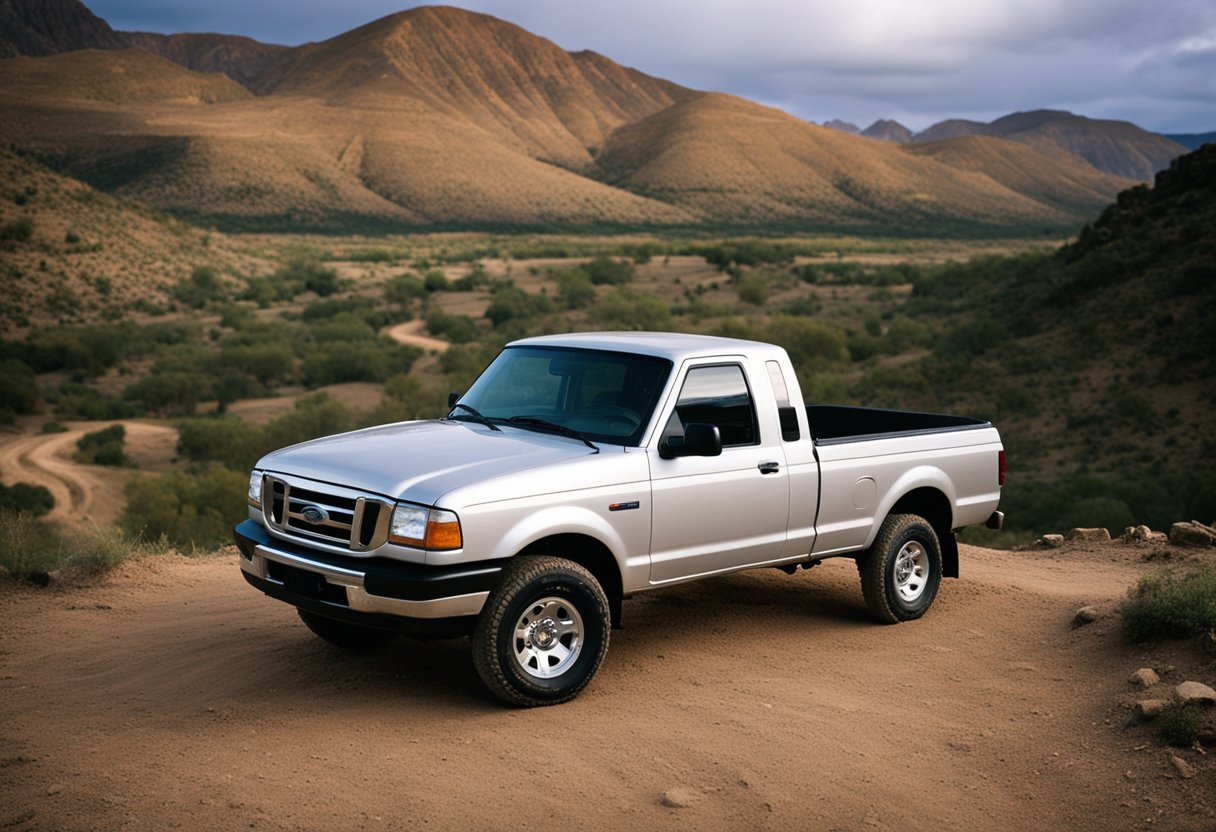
<point>420,461</point>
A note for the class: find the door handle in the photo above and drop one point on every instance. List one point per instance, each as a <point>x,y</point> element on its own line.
<point>768,467</point>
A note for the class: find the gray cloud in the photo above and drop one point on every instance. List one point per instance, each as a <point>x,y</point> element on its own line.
<point>1150,63</point>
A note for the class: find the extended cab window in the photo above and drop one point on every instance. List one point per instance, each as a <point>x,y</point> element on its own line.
<point>719,396</point>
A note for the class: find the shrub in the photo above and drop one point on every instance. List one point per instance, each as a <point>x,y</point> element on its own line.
<point>1180,724</point>
<point>626,310</point>
<point>603,270</point>
<point>196,509</point>
<point>574,289</point>
<point>16,231</point>
<point>23,497</point>
<point>202,287</point>
<point>458,329</point>
<point>29,548</point>
<point>402,289</point>
<point>753,288</point>
<point>509,303</point>
<point>18,387</point>
<point>103,447</point>
<point>435,281</point>
<point>1171,606</point>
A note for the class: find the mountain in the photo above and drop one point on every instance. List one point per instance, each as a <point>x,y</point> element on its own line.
<point>1117,147</point>
<point>1047,175</point>
<point>244,60</point>
<point>45,27</point>
<point>843,126</point>
<point>886,130</point>
<point>1192,140</point>
<point>951,129</point>
<point>443,118</point>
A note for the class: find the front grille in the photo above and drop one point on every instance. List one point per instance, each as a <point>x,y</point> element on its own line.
<point>358,523</point>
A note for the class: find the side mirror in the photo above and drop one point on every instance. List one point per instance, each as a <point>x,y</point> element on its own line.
<point>452,399</point>
<point>699,439</point>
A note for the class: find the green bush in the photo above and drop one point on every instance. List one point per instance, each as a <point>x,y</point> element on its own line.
<point>574,289</point>
<point>1180,724</point>
<point>195,509</point>
<point>626,310</point>
<point>458,329</point>
<point>603,270</point>
<point>29,548</point>
<point>103,447</point>
<point>202,287</point>
<point>403,289</point>
<point>753,288</point>
<point>23,497</point>
<point>16,231</point>
<point>18,387</point>
<point>1171,606</point>
<point>510,303</point>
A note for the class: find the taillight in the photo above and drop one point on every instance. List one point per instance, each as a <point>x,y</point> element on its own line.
<point>1000,468</point>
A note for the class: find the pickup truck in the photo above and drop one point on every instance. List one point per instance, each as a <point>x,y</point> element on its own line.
<point>581,469</point>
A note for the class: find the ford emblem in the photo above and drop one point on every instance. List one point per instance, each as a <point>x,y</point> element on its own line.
<point>314,514</point>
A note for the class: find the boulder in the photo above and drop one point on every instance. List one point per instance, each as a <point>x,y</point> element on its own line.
<point>1192,533</point>
<point>1182,767</point>
<point>1085,615</point>
<point>1145,677</point>
<point>1050,541</point>
<point>1088,535</point>
<point>1196,692</point>
<point>1147,709</point>
<point>1136,534</point>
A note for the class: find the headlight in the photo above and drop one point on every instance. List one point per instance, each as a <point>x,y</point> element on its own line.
<point>425,528</point>
<point>255,488</point>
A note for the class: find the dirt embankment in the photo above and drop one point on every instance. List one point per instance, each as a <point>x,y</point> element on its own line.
<point>175,695</point>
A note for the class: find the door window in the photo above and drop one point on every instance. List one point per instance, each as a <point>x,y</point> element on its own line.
<point>716,395</point>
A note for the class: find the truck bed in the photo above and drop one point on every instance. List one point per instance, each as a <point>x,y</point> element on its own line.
<point>832,423</point>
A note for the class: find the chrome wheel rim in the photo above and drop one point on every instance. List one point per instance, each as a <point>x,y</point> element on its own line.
<point>548,638</point>
<point>911,572</point>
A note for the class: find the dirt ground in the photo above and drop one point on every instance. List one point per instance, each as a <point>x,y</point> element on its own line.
<point>173,695</point>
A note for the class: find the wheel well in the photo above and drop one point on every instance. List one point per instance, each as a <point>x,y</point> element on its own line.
<point>593,556</point>
<point>932,505</point>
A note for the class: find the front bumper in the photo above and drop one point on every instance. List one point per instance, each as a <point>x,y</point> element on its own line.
<point>371,591</point>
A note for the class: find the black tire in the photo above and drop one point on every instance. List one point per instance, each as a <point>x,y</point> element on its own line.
<point>902,569</point>
<point>542,633</point>
<point>343,634</point>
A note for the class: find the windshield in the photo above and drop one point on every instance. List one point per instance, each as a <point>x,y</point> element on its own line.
<point>605,396</point>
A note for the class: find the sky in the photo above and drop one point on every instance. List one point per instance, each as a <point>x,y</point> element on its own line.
<point>1151,62</point>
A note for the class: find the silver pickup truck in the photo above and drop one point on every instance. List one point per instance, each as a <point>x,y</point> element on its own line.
<point>581,469</point>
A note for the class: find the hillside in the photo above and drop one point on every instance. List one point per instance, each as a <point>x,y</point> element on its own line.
<point>1096,361</point>
<point>46,27</point>
<point>739,162</point>
<point>442,118</point>
<point>86,256</point>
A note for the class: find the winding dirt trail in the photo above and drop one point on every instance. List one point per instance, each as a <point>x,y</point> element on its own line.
<point>408,333</point>
<point>176,696</point>
<point>82,493</point>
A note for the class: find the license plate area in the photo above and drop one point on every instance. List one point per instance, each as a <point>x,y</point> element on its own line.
<point>306,584</point>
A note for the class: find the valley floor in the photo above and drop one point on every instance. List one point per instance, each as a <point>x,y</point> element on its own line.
<point>174,695</point>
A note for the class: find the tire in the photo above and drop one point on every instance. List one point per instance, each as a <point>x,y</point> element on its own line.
<point>542,633</point>
<point>343,634</point>
<point>902,569</point>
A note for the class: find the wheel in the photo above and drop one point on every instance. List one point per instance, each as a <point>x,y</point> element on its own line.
<point>542,633</point>
<point>902,569</point>
<point>343,634</point>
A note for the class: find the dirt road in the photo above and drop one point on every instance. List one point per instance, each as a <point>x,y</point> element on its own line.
<point>408,333</point>
<point>83,493</point>
<point>175,696</point>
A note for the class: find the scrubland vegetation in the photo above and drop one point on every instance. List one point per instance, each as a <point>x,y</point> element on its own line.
<point>1093,359</point>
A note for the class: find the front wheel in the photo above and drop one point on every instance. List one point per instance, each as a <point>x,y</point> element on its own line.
<point>902,569</point>
<point>542,633</point>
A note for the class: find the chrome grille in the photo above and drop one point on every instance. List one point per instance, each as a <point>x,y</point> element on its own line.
<point>358,523</point>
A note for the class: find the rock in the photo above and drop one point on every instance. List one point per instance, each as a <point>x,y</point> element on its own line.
<point>1136,534</point>
<point>1193,533</point>
<point>1085,615</point>
<point>1196,692</point>
<point>1145,677</point>
<point>1149,709</point>
<point>1088,535</point>
<point>1050,541</point>
<point>678,798</point>
<point>1183,767</point>
<point>54,790</point>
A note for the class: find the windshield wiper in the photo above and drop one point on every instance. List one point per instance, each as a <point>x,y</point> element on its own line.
<point>475,414</point>
<point>545,424</point>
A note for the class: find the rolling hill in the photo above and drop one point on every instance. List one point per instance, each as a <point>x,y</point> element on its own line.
<point>438,117</point>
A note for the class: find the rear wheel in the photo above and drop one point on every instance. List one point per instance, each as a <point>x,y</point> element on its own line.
<point>542,633</point>
<point>902,569</point>
<point>343,634</point>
